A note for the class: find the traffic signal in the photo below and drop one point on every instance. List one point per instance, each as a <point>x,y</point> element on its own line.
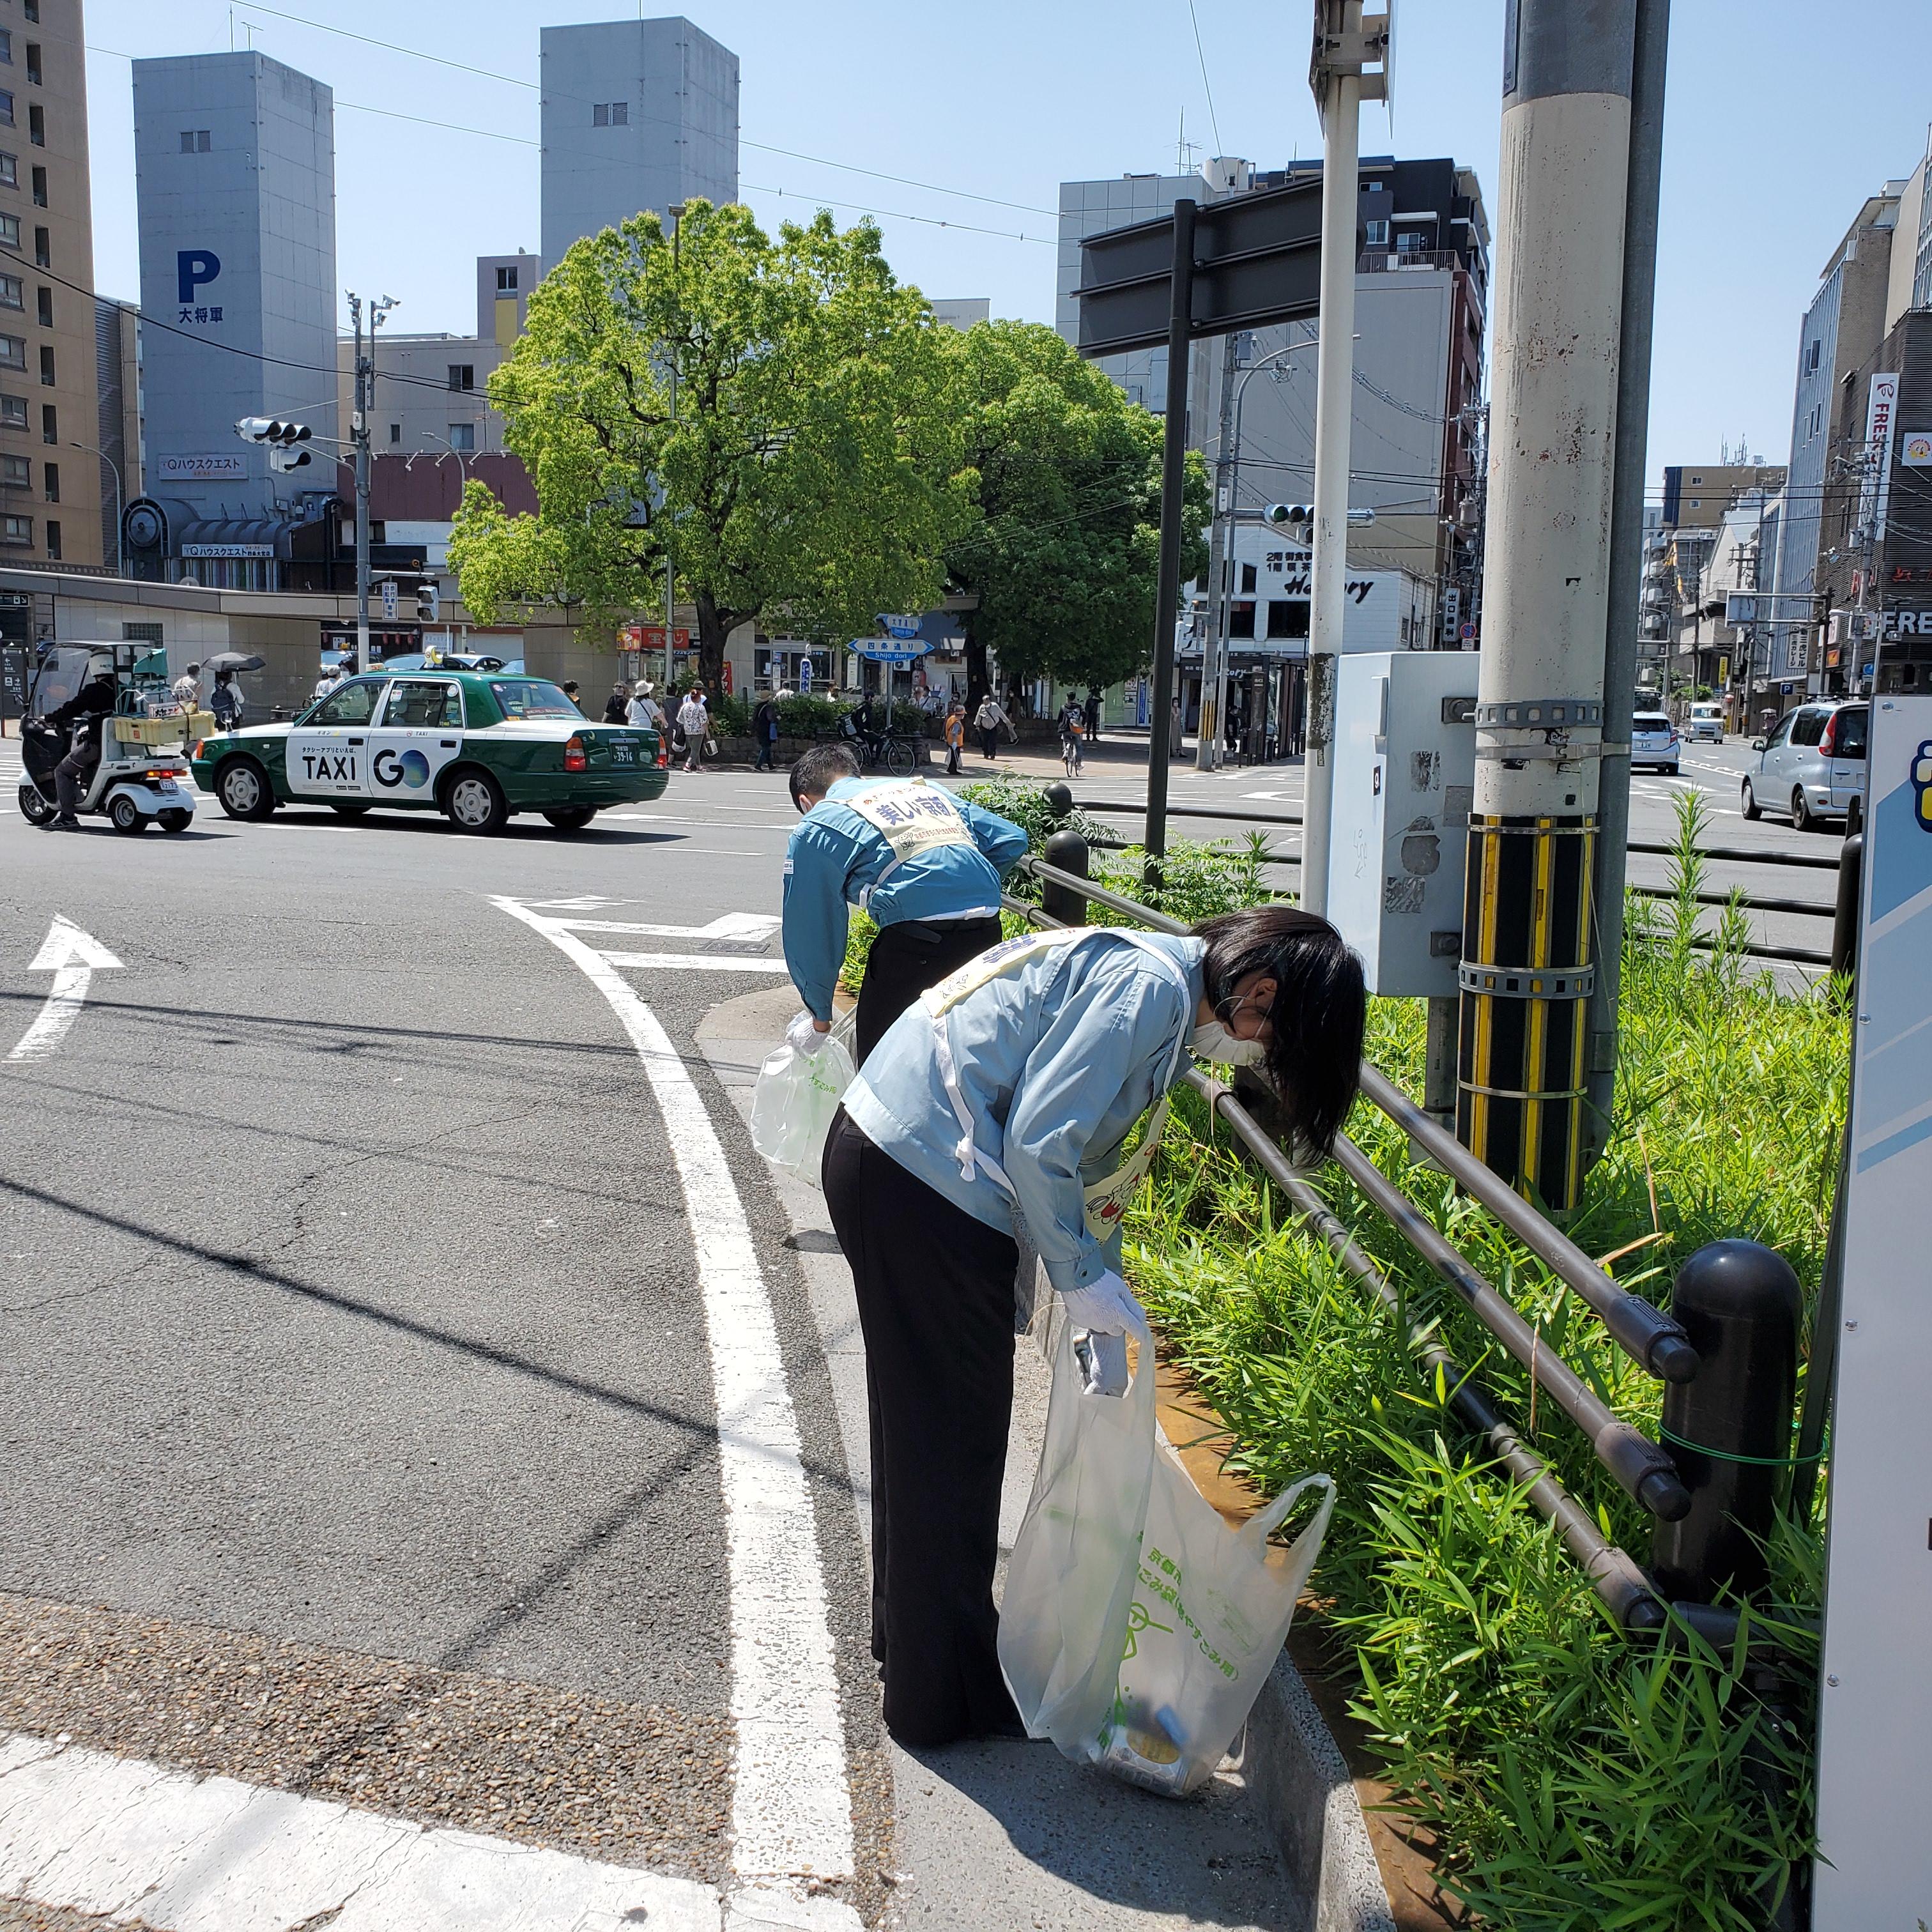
<point>428,601</point>
<point>286,460</point>
<point>1296,518</point>
<point>284,440</point>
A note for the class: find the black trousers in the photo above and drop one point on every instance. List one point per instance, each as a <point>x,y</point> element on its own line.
<point>907,959</point>
<point>935,1293</point>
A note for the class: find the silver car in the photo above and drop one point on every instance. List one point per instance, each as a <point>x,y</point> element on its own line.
<point>1653,742</point>
<point>1812,765</point>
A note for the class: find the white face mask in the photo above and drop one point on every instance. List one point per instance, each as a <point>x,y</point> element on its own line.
<point>1214,1043</point>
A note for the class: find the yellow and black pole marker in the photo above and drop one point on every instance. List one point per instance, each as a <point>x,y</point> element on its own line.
<point>1528,964</point>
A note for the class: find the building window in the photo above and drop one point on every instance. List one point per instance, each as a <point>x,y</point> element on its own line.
<point>33,63</point>
<point>9,171</point>
<point>13,295</point>
<point>10,231</point>
<point>44,248</point>
<point>141,633</point>
<point>6,47</point>
<point>40,186</point>
<point>1241,620</point>
<point>1816,347</point>
<point>195,141</point>
<point>13,413</point>
<point>32,11</point>
<point>37,124</point>
<point>463,375</point>
<point>50,425</point>
<point>506,281</point>
<point>463,436</point>
<point>53,538</point>
<point>47,364</point>
<point>52,470</point>
<point>1410,241</point>
<point>12,351</point>
<point>610,114</point>
<point>16,530</point>
<point>1378,234</point>
<point>6,107</point>
<point>1248,580</point>
<point>395,432</point>
<point>17,472</point>
<point>46,308</point>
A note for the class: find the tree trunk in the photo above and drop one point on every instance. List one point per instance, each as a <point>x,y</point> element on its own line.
<point>978,683</point>
<point>714,626</point>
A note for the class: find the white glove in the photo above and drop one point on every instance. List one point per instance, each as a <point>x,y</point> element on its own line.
<point>805,1036</point>
<point>1108,1312</point>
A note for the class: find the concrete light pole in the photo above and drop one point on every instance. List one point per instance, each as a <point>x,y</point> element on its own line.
<point>115,468</point>
<point>358,438</point>
<point>1527,965</point>
<point>1345,42</point>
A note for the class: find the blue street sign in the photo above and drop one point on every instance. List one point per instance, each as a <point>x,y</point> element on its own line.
<point>900,625</point>
<point>805,674</point>
<point>892,650</point>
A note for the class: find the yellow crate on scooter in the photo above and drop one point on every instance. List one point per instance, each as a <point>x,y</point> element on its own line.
<point>182,727</point>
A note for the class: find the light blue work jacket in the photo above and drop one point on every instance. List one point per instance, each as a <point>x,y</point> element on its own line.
<point>1055,1061</point>
<point>837,859</point>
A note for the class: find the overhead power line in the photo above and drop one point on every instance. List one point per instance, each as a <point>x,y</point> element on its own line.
<point>1207,87</point>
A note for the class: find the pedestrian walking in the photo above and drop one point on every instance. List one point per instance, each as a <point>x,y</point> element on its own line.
<point>955,736</point>
<point>694,721</point>
<point>617,706</point>
<point>1007,1093</point>
<point>764,733</point>
<point>570,691</point>
<point>225,701</point>
<point>643,709</point>
<point>987,720</point>
<point>1178,726</point>
<point>186,690</point>
<point>1092,709</point>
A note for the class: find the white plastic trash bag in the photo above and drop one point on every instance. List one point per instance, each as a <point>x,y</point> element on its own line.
<point>1137,1629</point>
<point>1210,1613</point>
<point>1070,1580</point>
<point>793,1102</point>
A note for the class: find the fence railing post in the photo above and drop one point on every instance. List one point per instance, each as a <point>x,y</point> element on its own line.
<point>1730,1428</point>
<point>1068,851</point>
<point>1845,914</point>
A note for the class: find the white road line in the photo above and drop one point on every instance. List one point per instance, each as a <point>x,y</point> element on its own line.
<point>726,926</point>
<point>694,962</point>
<point>90,1833</point>
<point>791,1808</point>
<point>73,958</point>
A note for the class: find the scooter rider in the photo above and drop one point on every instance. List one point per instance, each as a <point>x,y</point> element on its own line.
<point>925,865</point>
<point>82,713</point>
<point>1009,1090</point>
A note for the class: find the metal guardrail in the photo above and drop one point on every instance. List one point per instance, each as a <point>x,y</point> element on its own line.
<point>1642,1468</point>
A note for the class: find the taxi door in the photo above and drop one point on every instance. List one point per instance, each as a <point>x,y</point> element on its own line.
<point>420,732</point>
<point>328,751</point>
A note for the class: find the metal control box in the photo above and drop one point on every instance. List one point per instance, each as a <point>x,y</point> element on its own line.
<point>1405,753</point>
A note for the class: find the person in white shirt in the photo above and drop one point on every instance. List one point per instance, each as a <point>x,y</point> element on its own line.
<point>644,708</point>
<point>187,688</point>
<point>695,722</point>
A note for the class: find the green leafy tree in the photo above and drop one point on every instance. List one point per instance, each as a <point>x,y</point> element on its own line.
<point>1065,550</point>
<point>811,474</point>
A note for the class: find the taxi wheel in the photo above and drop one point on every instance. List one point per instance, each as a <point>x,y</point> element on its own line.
<point>243,790</point>
<point>176,821</point>
<point>1752,809</point>
<point>475,801</point>
<point>574,818</point>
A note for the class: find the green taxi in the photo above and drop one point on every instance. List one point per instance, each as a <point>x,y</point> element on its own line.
<point>478,746</point>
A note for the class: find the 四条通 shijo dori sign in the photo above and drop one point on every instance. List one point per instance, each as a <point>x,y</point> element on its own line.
<point>195,268</point>
<point>892,650</point>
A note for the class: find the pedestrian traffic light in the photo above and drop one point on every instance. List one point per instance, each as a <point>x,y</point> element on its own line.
<point>428,600</point>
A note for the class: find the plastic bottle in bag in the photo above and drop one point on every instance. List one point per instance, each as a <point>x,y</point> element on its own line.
<point>793,1102</point>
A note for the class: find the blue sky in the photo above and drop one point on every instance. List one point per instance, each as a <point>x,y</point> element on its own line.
<point>1780,123</point>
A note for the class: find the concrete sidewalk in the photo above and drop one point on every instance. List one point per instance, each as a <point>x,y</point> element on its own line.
<point>1001,1834</point>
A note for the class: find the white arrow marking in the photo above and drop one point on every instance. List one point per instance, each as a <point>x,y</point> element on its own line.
<point>727,926</point>
<point>73,958</point>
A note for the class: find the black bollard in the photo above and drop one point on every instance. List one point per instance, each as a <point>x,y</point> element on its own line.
<point>1059,800</point>
<point>1068,851</point>
<point>1845,914</point>
<point>1730,1428</point>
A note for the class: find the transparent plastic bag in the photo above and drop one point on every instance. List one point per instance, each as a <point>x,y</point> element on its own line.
<point>1210,1613</point>
<point>1137,1629</point>
<point>796,1097</point>
<point>1070,1581</point>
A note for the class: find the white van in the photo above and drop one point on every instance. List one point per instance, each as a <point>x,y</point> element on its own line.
<point>1707,723</point>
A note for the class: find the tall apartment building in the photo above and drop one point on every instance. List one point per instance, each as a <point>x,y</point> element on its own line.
<point>234,170</point>
<point>637,115</point>
<point>50,478</point>
<point>117,368</point>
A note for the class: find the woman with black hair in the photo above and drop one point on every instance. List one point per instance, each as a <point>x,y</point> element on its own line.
<point>1008,1088</point>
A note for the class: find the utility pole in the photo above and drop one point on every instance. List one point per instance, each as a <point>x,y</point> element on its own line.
<point>1345,42</point>
<point>1528,965</point>
<point>358,439</point>
<point>1173,476</point>
<point>1629,563</point>
<point>677,211</point>
<point>1220,549</point>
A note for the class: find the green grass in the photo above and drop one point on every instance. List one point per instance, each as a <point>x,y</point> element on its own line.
<point>1578,1781</point>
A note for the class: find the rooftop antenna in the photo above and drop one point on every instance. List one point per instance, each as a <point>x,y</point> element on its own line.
<point>1184,149</point>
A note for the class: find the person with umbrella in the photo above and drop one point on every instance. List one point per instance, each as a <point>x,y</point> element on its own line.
<point>226,700</point>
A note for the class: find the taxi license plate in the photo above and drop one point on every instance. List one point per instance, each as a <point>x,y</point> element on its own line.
<point>623,752</point>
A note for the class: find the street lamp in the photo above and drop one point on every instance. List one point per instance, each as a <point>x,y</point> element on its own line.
<point>116,469</point>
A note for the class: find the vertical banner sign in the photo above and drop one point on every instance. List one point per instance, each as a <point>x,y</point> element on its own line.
<point>1875,1699</point>
<point>1881,417</point>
